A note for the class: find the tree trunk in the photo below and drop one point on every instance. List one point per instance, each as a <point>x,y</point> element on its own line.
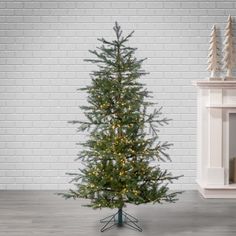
<point>213,74</point>
<point>229,73</point>
<point>120,217</point>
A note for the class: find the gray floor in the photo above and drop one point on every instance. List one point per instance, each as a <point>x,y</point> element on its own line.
<point>41,213</point>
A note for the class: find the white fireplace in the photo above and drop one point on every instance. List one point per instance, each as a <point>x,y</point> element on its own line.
<point>216,164</point>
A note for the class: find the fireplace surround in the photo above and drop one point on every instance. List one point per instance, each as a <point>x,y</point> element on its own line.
<point>216,142</point>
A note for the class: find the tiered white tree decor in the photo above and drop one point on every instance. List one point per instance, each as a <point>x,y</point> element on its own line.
<point>229,52</point>
<point>213,56</point>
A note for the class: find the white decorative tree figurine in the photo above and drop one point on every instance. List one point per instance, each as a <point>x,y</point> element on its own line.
<point>229,52</point>
<point>213,56</point>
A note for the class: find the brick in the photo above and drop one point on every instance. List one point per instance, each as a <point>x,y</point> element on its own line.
<point>100,5</point>
<point>86,5</point>
<point>32,173</point>
<point>156,4</point>
<point>14,186</point>
<point>49,19</point>
<point>14,173</point>
<point>190,5</point>
<point>66,19</point>
<point>23,12</point>
<point>32,5</point>
<point>23,180</point>
<point>67,5</point>
<point>14,19</point>
<point>225,5</point>
<point>31,186</point>
<point>50,5</point>
<point>7,166</point>
<point>2,5</point>
<point>172,5</point>
<point>204,5</point>
<point>14,5</point>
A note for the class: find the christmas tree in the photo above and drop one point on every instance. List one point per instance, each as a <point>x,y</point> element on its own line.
<point>213,56</point>
<point>122,149</point>
<point>229,52</point>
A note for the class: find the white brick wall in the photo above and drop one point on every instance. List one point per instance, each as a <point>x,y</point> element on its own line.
<point>42,47</point>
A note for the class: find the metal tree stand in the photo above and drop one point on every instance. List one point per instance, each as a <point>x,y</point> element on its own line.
<point>120,218</point>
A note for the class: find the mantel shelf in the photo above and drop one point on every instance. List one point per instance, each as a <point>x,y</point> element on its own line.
<point>228,186</point>
<point>230,84</point>
<point>221,105</point>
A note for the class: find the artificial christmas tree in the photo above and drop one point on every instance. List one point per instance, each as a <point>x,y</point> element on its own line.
<point>229,52</point>
<point>119,151</point>
<point>213,56</point>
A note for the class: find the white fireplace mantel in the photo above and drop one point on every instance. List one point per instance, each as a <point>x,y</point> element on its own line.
<point>216,104</point>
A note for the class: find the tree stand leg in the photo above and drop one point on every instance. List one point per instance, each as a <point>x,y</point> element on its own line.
<point>120,218</point>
